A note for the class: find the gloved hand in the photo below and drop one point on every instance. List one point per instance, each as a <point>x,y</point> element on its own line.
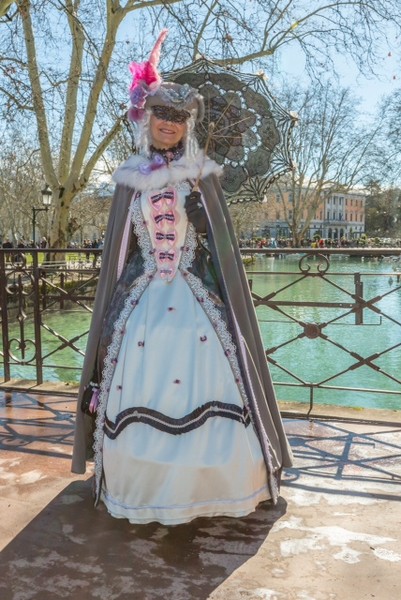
<point>195,211</point>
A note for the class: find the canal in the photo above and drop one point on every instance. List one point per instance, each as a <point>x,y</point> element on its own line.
<point>331,329</point>
<point>338,352</point>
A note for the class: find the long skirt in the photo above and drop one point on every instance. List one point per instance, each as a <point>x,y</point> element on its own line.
<point>179,442</point>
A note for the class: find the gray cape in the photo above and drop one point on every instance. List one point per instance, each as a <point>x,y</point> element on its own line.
<point>244,325</point>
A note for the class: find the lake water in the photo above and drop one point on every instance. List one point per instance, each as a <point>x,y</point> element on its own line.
<point>296,358</point>
<point>327,360</point>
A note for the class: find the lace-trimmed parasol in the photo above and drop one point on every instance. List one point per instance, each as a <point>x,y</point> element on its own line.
<point>245,128</point>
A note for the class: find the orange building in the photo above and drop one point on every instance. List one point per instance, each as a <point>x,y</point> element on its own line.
<point>338,215</point>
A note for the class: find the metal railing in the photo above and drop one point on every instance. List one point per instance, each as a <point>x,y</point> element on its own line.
<point>46,302</point>
<point>366,303</point>
<point>35,287</point>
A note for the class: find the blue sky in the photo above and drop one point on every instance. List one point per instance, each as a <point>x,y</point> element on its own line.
<point>369,89</point>
<point>291,61</point>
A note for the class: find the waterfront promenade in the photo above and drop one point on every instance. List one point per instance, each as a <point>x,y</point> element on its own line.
<point>334,534</point>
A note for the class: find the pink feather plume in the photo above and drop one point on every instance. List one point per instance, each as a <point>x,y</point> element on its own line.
<point>154,57</point>
<point>146,71</point>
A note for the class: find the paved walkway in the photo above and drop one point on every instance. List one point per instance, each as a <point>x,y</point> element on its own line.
<point>335,533</point>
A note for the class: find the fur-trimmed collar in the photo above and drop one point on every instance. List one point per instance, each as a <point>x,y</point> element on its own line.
<point>129,174</point>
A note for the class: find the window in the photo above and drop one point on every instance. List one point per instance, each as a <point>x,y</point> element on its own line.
<point>277,215</point>
<point>290,214</point>
<point>291,197</point>
<point>278,198</point>
<point>350,216</point>
<point>328,215</point>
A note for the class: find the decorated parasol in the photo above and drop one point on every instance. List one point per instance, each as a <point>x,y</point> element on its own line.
<point>245,128</point>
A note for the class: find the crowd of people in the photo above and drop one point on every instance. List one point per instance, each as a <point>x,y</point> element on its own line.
<point>16,257</point>
<point>8,244</point>
<point>362,242</point>
<point>87,243</point>
<point>258,242</point>
<point>43,243</point>
<point>21,244</point>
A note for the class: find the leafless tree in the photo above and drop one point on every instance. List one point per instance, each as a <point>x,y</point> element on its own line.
<point>331,151</point>
<point>388,163</point>
<point>20,183</point>
<point>233,32</point>
<point>63,63</point>
<point>89,214</point>
<point>383,210</point>
<point>247,218</point>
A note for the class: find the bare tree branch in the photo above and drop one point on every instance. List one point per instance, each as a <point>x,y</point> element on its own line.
<point>37,96</point>
<point>100,148</point>
<point>4,7</point>
<point>330,150</point>
<point>73,70</point>
<point>77,35</point>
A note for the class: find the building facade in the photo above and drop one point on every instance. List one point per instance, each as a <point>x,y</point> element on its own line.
<point>339,216</point>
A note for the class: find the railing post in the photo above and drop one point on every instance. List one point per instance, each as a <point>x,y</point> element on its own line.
<point>358,294</point>
<point>37,318</point>
<point>44,295</point>
<point>310,400</point>
<point>4,318</point>
<point>62,285</point>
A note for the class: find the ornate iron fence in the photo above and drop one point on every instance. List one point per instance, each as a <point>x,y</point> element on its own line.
<point>343,350</point>
<point>46,304</point>
<point>37,289</point>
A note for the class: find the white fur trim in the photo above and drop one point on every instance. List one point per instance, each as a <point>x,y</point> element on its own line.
<point>129,174</point>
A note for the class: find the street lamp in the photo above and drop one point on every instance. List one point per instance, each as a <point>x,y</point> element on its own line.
<point>46,200</point>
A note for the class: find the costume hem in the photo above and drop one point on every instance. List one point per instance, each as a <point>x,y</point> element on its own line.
<point>188,512</point>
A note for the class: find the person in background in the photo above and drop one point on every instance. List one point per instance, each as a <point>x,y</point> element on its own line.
<point>6,245</point>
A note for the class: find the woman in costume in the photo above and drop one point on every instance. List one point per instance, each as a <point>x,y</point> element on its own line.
<point>187,423</point>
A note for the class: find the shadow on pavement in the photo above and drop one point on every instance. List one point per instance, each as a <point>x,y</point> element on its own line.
<point>71,550</point>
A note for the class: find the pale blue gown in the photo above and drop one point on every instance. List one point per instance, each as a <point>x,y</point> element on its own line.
<point>179,442</point>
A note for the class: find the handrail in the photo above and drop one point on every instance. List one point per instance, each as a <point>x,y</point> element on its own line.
<point>33,290</point>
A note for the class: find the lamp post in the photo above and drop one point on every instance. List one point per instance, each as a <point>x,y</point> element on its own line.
<point>47,200</point>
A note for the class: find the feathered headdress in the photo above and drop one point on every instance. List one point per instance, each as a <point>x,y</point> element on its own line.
<point>148,90</point>
<point>146,79</point>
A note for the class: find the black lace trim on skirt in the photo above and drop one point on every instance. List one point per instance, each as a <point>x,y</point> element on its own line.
<point>191,421</point>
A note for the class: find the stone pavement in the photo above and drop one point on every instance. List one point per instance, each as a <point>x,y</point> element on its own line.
<point>334,534</point>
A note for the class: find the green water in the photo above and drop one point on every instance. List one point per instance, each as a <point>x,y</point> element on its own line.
<point>318,360</point>
<point>304,359</point>
<point>60,363</point>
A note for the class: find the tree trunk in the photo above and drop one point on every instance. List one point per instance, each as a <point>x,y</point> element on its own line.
<point>60,219</point>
